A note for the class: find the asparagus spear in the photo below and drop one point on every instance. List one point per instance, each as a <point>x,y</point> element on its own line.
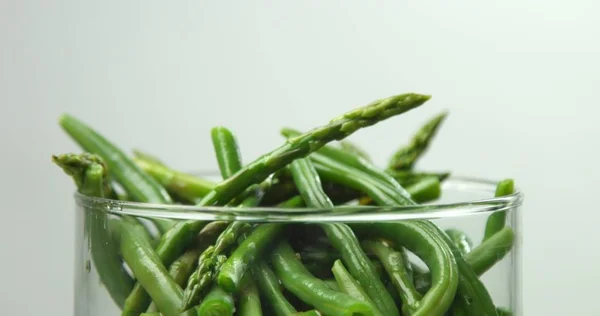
<point>89,174</point>
<point>302,145</point>
<point>407,156</point>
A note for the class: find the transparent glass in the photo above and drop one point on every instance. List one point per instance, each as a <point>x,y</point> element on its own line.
<point>465,205</point>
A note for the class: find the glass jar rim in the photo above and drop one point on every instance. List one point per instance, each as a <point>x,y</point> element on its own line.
<point>346,213</point>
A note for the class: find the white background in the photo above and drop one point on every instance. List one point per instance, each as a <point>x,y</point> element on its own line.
<point>520,79</point>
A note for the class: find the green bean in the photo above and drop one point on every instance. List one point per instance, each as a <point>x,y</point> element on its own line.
<point>332,283</point>
<point>141,229</point>
<point>311,290</point>
<point>492,250</point>
<point>497,221</point>
<point>234,268</point>
<point>407,156</point>
<point>270,289</point>
<point>471,292</point>
<point>347,284</point>
<point>140,186</point>
<point>426,190</point>
<point>447,276</point>
<point>410,177</point>
<point>171,245</point>
<point>482,257</point>
<point>89,175</point>
<point>150,272</point>
<point>423,191</point>
<point>228,157</point>
<point>186,186</point>
<point>217,303</point>
<point>249,298</point>
<point>394,264</point>
<point>233,271</point>
<point>184,266</point>
<point>341,237</point>
<point>461,240</point>
<point>302,145</point>
<point>226,150</point>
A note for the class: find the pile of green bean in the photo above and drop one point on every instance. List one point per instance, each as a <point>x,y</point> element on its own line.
<point>189,267</point>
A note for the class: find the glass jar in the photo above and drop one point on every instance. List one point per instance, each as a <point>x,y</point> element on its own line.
<point>103,279</point>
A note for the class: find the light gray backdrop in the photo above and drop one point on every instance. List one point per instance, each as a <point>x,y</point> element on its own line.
<point>520,79</point>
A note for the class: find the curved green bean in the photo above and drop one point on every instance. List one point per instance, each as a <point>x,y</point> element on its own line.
<point>311,290</point>
<point>217,303</point>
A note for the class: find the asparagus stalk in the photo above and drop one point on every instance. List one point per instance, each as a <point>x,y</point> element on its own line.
<point>89,174</point>
<point>304,144</point>
<point>407,156</point>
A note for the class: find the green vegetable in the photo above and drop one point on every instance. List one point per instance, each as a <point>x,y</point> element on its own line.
<point>315,292</point>
<point>438,299</point>
<point>399,273</point>
<point>270,290</point>
<point>234,269</point>
<point>333,285</point>
<point>272,267</point>
<point>227,151</point>
<point>461,240</point>
<point>136,183</point>
<point>425,190</point>
<point>183,185</point>
<point>302,145</point>
<point>249,299</point>
<point>386,192</point>
<point>150,272</point>
<point>410,177</point>
<point>342,238</point>
<point>210,261</point>
<point>496,221</point>
<point>407,156</point>
<point>492,250</point>
<point>184,266</point>
<point>347,284</point>
<point>89,175</point>
<point>171,245</point>
<point>217,303</point>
